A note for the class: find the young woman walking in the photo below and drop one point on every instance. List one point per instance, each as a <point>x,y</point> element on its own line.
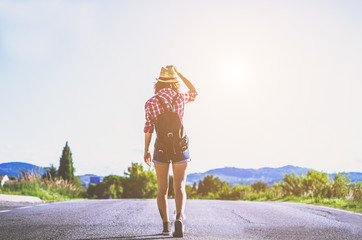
<point>164,112</point>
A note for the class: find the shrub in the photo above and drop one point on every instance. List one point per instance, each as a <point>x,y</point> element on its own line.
<point>356,190</point>
<point>139,183</point>
<point>259,186</point>
<point>292,185</point>
<point>315,183</point>
<point>339,186</point>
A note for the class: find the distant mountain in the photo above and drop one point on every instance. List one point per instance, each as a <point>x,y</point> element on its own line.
<point>249,176</point>
<point>353,176</point>
<point>12,168</point>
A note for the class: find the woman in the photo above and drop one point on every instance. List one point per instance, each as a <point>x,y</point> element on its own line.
<point>164,111</point>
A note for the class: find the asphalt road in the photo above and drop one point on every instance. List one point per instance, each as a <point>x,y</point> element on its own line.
<point>206,219</point>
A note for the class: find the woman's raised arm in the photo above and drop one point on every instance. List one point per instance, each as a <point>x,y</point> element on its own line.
<point>188,84</point>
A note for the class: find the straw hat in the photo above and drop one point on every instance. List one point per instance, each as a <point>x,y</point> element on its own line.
<point>168,75</point>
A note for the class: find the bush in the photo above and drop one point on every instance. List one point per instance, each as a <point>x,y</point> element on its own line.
<point>191,192</point>
<point>356,191</point>
<point>259,186</point>
<point>292,185</point>
<point>339,186</point>
<point>315,183</point>
<point>110,187</point>
<point>210,184</point>
<point>240,192</point>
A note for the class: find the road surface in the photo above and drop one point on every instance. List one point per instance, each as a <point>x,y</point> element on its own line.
<point>206,219</point>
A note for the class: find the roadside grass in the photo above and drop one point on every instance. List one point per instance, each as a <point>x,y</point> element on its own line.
<point>49,196</point>
<point>349,205</point>
<point>47,189</point>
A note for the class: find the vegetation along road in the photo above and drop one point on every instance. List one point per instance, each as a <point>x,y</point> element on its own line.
<point>206,219</point>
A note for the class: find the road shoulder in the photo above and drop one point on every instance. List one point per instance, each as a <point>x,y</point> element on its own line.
<point>19,199</point>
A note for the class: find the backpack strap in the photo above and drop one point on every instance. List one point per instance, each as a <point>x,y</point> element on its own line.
<point>174,100</point>
<point>163,104</point>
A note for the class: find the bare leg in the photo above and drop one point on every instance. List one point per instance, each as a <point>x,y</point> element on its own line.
<point>162,189</point>
<point>179,180</point>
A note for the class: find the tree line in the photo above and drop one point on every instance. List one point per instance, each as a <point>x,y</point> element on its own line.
<point>140,183</point>
<point>312,185</point>
<point>137,182</point>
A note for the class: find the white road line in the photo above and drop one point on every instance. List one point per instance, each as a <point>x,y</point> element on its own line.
<point>24,207</point>
<point>41,205</point>
<point>4,211</point>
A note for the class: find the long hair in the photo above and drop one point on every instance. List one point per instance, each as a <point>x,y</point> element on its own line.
<point>161,85</point>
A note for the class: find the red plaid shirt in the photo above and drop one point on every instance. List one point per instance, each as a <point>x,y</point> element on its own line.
<point>153,107</point>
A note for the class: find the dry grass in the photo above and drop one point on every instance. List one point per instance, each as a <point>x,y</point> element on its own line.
<point>48,188</point>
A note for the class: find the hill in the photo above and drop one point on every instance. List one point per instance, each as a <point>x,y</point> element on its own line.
<point>12,168</point>
<point>249,176</point>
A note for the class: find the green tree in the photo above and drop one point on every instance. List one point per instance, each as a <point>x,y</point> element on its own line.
<point>339,185</point>
<point>277,191</point>
<point>210,186</point>
<point>110,187</point>
<point>191,192</point>
<point>356,190</point>
<point>139,183</point>
<point>240,192</point>
<point>66,169</point>
<point>224,192</point>
<point>113,187</point>
<point>200,188</point>
<point>194,187</point>
<point>96,190</point>
<point>315,183</point>
<point>292,185</point>
<point>260,186</point>
<point>51,172</point>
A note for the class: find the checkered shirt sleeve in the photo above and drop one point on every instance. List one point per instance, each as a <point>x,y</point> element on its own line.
<point>190,96</point>
<point>149,126</point>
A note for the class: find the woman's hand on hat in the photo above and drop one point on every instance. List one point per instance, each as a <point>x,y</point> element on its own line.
<point>174,68</point>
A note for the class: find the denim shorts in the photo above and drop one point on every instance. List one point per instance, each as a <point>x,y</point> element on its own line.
<point>165,158</point>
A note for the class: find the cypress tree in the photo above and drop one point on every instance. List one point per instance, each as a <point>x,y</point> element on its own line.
<point>66,169</point>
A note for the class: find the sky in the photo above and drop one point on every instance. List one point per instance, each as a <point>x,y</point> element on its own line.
<point>279,82</point>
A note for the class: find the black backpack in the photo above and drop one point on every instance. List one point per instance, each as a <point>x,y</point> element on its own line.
<point>171,135</point>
